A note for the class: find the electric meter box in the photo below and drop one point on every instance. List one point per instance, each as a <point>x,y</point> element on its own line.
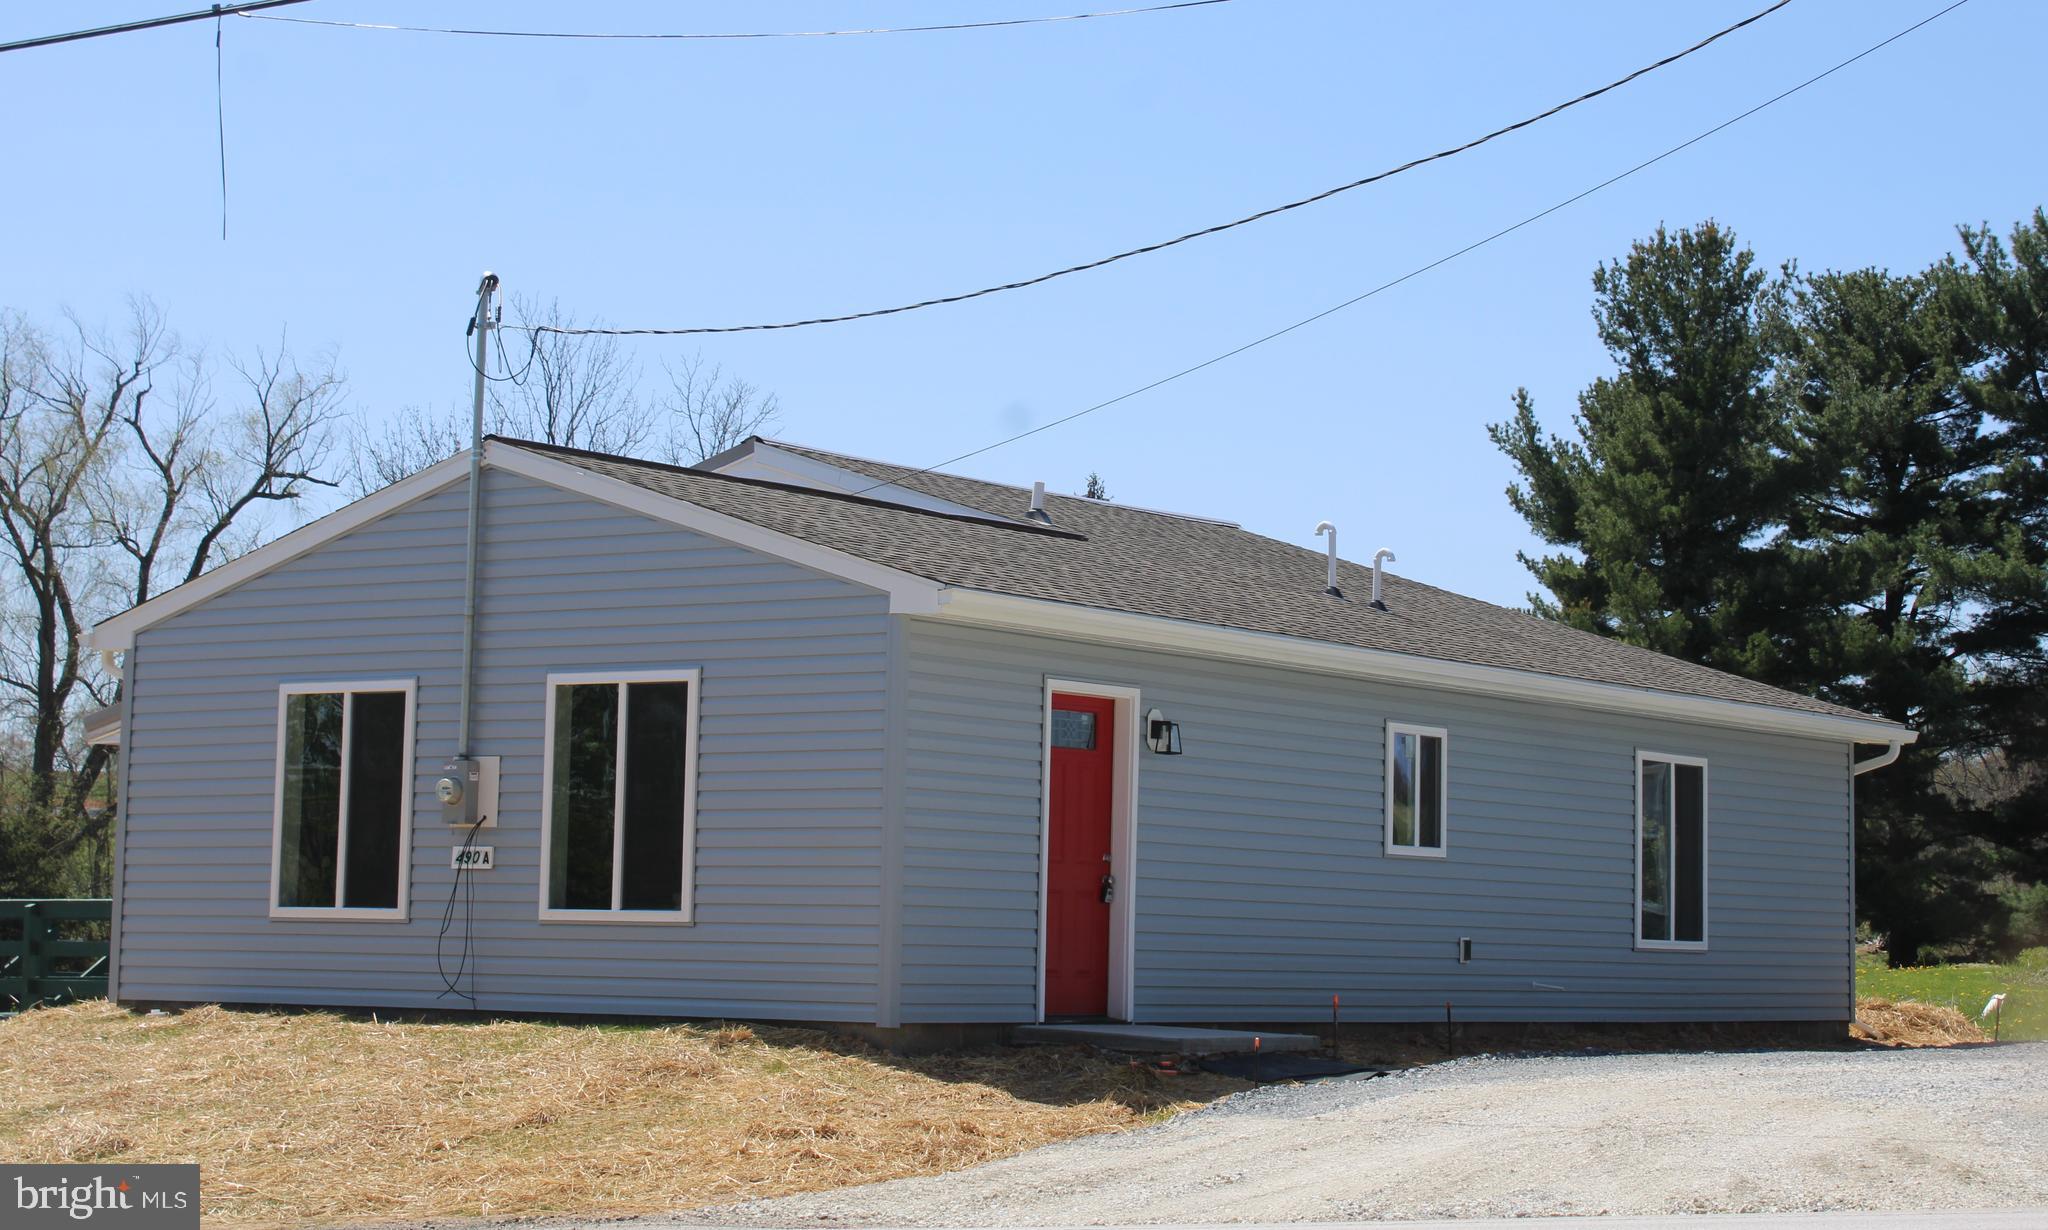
<point>468,791</point>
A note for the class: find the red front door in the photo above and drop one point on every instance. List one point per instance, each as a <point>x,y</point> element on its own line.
<point>1077,856</point>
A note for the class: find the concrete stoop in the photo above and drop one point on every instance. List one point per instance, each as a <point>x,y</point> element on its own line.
<point>1164,1039</point>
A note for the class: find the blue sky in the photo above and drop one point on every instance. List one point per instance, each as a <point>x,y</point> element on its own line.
<point>374,174</point>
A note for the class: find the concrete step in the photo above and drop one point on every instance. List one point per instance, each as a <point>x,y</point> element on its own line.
<point>1164,1039</point>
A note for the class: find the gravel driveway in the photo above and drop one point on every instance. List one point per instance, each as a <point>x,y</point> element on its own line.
<point>1504,1137</point>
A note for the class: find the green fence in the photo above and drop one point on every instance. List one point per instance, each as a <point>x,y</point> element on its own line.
<point>53,951</point>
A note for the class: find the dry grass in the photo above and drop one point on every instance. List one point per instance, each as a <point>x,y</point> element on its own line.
<point>1904,1022</point>
<point>318,1117</point>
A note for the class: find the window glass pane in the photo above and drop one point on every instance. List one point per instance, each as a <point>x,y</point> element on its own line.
<point>585,768</point>
<point>1073,729</point>
<point>657,721</point>
<point>1689,891</point>
<point>377,782</point>
<point>1655,788</point>
<point>311,821</point>
<point>1404,790</point>
<point>1429,783</point>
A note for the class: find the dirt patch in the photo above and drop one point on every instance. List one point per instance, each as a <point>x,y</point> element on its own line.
<point>1906,1023</point>
<point>320,1117</point>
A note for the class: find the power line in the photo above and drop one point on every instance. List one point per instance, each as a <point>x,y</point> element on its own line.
<point>1410,165</point>
<point>1422,269</point>
<point>962,25</point>
<point>151,23</point>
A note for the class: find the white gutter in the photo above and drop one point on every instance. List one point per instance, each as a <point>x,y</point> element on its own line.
<point>1074,622</point>
<point>1879,761</point>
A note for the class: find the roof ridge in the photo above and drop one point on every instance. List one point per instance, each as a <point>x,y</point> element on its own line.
<point>908,472</point>
<point>1029,527</point>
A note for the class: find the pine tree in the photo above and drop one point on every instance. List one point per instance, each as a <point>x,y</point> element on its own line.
<point>1838,484</point>
<point>1890,514</point>
<point>1678,464</point>
<point>1999,296</point>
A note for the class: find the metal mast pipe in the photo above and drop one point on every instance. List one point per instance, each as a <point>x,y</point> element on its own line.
<point>480,326</point>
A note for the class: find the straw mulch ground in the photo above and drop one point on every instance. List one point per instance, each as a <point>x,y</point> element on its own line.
<point>317,1117</point>
<point>1906,1023</point>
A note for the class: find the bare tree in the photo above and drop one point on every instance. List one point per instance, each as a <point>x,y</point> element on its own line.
<point>57,410</point>
<point>119,475</point>
<point>709,412</point>
<point>577,390</point>
<point>403,446</point>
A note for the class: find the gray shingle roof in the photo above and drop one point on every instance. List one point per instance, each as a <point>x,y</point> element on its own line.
<point>1120,558</point>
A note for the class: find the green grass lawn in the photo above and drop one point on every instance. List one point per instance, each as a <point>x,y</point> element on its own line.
<point>1964,987</point>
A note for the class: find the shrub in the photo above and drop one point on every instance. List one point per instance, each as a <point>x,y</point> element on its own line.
<point>2026,913</point>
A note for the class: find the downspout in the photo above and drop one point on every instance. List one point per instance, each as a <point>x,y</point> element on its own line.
<point>1858,768</point>
<point>480,326</point>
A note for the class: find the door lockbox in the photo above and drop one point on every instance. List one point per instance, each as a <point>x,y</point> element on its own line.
<point>468,791</point>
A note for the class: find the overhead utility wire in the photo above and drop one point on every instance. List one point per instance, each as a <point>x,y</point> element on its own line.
<point>962,25</point>
<point>1410,165</point>
<point>1422,269</point>
<point>151,23</point>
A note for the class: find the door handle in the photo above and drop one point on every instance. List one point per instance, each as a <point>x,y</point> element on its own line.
<point>1108,887</point>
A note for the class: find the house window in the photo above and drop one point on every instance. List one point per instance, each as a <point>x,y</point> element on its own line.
<point>621,787</point>
<point>344,800</point>
<point>1417,777</point>
<point>1671,851</point>
<point>1073,729</point>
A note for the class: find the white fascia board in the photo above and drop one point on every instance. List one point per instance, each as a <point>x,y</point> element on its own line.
<point>1075,622</point>
<point>908,593</point>
<point>118,632</point>
<point>778,465</point>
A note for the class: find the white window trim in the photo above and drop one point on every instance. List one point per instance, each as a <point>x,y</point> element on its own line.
<point>686,916</point>
<point>1443,789</point>
<point>342,913</point>
<point>1706,847</point>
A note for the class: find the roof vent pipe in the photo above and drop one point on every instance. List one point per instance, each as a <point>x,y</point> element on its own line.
<point>1330,577</point>
<point>1379,560</point>
<point>1038,502</point>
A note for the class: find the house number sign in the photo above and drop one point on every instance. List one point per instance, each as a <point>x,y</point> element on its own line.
<point>470,858</point>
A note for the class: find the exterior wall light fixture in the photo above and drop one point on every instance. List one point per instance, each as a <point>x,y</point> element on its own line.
<point>1162,736</point>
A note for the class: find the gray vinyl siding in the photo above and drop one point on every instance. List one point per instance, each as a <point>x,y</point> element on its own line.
<point>1261,887</point>
<point>793,715</point>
